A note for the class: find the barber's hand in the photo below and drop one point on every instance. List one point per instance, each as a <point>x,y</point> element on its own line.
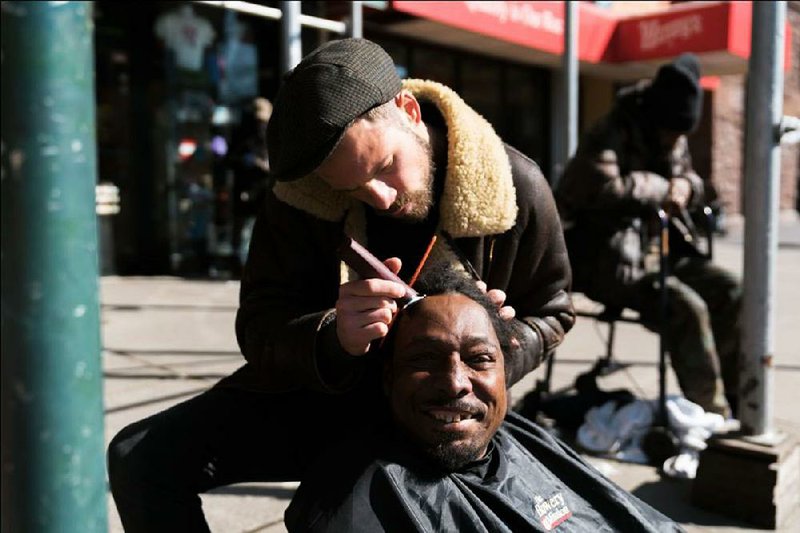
<point>498,297</point>
<point>506,312</point>
<point>679,193</point>
<point>365,309</point>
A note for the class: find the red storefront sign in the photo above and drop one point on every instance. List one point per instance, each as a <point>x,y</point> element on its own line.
<point>713,27</point>
<point>602,37</point>
<point>538,25</point>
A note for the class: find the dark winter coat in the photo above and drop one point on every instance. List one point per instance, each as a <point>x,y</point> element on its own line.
<point>495,204</point>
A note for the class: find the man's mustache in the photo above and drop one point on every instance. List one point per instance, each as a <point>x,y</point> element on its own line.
<point>464,406</point>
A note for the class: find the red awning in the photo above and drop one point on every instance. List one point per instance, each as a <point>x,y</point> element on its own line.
<point>718,32</point>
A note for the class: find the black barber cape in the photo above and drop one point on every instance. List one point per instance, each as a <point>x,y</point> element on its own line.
<point>529,481</point>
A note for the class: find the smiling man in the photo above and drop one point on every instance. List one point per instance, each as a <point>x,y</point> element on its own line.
<point>452,458</point>
<point>446,380</point>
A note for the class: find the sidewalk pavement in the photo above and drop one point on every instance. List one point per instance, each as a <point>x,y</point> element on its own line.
<point>167,339</point>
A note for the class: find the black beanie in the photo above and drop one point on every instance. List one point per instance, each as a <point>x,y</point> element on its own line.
<point>675,99</point>
<point>321,97</point>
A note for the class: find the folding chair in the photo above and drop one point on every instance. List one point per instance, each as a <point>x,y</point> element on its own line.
<point>659,441</point>
<point>611,315</point>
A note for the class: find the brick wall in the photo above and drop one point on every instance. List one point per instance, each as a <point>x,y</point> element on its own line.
<point>727,168</point>
<point>790,154</point>
<point>727,163</point>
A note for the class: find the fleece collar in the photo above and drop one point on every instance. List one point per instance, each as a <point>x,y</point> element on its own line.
<point>478,197</point>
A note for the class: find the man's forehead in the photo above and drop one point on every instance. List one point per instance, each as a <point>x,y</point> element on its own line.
<point>448,316</point>
<point>362,148</point>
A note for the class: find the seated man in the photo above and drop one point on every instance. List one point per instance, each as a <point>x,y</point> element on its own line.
<point>452,458</point>
<point>631,162</point>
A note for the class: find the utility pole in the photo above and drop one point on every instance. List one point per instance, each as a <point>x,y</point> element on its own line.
<point>755,476</point>
<point>762,187</point>
<point>291,42</point>
<point>356,19</point>
<point>53,466</point>
<point>570,68</point>
<point>564,94</point>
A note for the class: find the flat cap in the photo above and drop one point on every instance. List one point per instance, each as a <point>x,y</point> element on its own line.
<point>321,97</point>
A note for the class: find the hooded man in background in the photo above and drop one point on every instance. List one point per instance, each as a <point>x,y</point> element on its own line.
<point>631,162</point>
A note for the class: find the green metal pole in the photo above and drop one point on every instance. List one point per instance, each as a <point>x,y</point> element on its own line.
<point>53,468</point>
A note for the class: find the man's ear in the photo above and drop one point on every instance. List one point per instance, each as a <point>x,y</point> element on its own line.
<point>409,105</point>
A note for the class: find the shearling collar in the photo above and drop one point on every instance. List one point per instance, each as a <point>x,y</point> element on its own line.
<point>478,197</point>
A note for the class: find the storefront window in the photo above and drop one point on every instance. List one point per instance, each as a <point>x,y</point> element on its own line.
<point>526,112</point>
<point>398,52</point>
<point>433,64</point>
<point>513,98</point>
<point>180,89</point>
<point>481,85</point>
<point>215,169</point>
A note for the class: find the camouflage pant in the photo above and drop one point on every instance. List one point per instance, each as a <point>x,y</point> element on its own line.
<point>702,334</point>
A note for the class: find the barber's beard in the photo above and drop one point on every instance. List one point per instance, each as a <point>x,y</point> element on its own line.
<point>421,200</point>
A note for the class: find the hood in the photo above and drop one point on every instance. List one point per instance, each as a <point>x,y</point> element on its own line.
<point>478,197</point>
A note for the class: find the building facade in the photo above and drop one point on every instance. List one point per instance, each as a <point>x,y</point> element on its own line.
<point>176,84</point>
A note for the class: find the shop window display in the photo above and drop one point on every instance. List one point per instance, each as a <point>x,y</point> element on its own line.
<point>212,79</point>
<point>187,35</point>
<point>513,98</point>
<point>481,84</point>
<point>526,112</point>
<point>433,64</point>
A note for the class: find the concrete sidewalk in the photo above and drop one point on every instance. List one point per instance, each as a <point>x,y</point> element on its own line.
<point>166,339</point>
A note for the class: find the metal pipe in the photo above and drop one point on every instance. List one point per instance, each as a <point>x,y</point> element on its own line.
<point>323,24</point>
<point>762,182</point>
<point>246,7</point>
<point>356,19</point>
<point>291,44</point>
<point>569,70</point>
<point>663,300</point>
<point>52,445</point>
<point>790,130</point>
<point>274,13</point>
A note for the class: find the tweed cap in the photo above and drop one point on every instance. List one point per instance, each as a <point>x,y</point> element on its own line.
<point>321,97</point>
<point>675,98</point>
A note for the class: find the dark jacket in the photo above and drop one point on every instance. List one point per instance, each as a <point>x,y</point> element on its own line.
<point>495,204</point>
<point>609,192</point>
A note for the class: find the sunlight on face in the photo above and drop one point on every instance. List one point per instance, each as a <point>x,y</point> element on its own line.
<point>446,382</point>
<point>385,164</point>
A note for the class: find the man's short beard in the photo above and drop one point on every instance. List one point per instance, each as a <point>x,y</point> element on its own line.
<point>452,457</point>
<point>442,450</point>
<point>422,200</point>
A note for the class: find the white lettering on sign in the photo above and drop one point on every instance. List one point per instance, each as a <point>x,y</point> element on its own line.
<point>524,13</point>
<point>498,10</point>
<point>653,33</point>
